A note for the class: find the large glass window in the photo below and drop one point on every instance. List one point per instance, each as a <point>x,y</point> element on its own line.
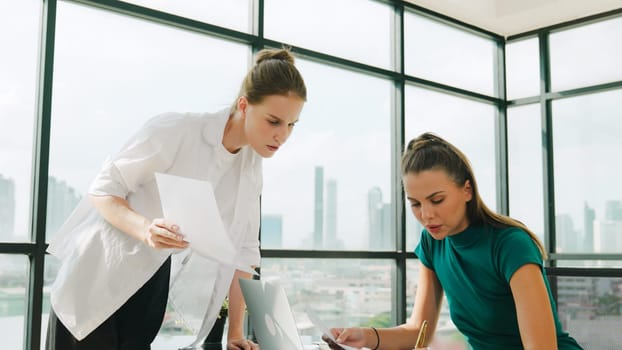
<point>13,291</point>
<point>461,122</point>
<point>358,30</point>
<point>588,193</point>
<point>19,39</point>
<point>108,83</point>
<point>329,187</point>
<point>441,53</point>
<point>586,55</point>
<point>234,14</point>
<point>525,167</point>
<point>522,68</point>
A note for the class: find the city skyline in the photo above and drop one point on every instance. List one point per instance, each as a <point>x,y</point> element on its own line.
<point>600,233</point>
<point>62,200</point>
<point>325,234</point>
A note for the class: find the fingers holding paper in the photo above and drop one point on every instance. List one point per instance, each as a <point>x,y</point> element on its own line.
<point>164,234</point>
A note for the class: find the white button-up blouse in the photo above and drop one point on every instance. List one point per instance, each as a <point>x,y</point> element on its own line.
<point>103,267</point>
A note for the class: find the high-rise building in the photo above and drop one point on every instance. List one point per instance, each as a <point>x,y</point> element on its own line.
<point>331,213</point>
<point>613,210</point>
<point>379,224</point>
<point>387,236</point>
<point>7,203</point>
<point>318,209</point>
<point>567,236</point>
<point>271,231</point>
<point>607,236</point>
<point>589,215</point>
<point>608,232</point>
<point>62,200</point>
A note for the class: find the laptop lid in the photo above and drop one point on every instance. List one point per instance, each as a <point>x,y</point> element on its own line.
<point>271,315</point>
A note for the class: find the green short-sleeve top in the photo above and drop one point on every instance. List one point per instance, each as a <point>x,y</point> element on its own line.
<point>474,268</point>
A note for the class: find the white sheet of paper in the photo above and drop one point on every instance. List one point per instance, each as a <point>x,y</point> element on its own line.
<point>191,204</point>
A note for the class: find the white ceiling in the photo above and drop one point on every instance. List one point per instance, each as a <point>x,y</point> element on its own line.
<point>509,17</point>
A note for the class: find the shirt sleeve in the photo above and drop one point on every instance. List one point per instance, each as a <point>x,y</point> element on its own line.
<point>152,149</point>
<point>249,251</point>
<point>249,254</point>
<point>424,250</point>
<point>515,249</point>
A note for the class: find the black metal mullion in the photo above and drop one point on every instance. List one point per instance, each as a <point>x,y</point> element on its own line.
<point>17,248</point>
<point>584,272</point>
<point>260,16</point>
<point>501,131</point>
<point>547,147</point>
<point>586,256</point>
<point>614,85</point>
<point>169,19</point>
<point>334,254</point>
<point>40,180</point>
<point>397,133</point>
<point>451,90</point>
<point>569,24</point>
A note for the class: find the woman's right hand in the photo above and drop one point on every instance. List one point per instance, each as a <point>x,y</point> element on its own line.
<point>163,234</point>
<point>354,337</point>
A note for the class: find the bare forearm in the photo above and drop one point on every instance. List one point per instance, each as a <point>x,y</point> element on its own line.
<point>400,337</point>
<point>237,307</point>
<point>118,213</point>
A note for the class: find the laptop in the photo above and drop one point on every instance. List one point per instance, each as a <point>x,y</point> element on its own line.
<point>271,316</point>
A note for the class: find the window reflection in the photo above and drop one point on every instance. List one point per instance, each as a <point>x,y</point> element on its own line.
<point>586,55</point>
<point>18,72</point>
<point>329,187</point>
<point>525,167</point>
<point>441,53</point>
<point>522,63</point>
<point>102,96</point>
<point>234,14</point>
<point>358,30</point>
<point>588,193</point>
<point>92,110</point>
<point>13,291</point>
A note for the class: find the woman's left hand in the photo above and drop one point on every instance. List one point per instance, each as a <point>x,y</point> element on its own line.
<point>241,344</point>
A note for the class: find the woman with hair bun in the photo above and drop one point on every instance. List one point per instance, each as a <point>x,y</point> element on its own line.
<point>112,288</point>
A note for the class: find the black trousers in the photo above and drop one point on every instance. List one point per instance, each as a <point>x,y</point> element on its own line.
<point>131,327</point>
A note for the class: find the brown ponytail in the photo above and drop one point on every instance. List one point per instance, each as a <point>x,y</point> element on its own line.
<point>429,152</point>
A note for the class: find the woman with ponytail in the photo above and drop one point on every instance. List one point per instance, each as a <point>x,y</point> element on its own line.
<point>112,288</point>
<point>489,266</point>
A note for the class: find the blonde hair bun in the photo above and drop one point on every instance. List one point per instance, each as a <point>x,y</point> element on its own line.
<point>274,54</point>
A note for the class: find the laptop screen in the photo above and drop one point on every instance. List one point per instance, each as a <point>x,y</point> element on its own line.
<point>271,315</point>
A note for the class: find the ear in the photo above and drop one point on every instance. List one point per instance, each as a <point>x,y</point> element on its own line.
<point>468,191</point>
<point>242,104</point>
